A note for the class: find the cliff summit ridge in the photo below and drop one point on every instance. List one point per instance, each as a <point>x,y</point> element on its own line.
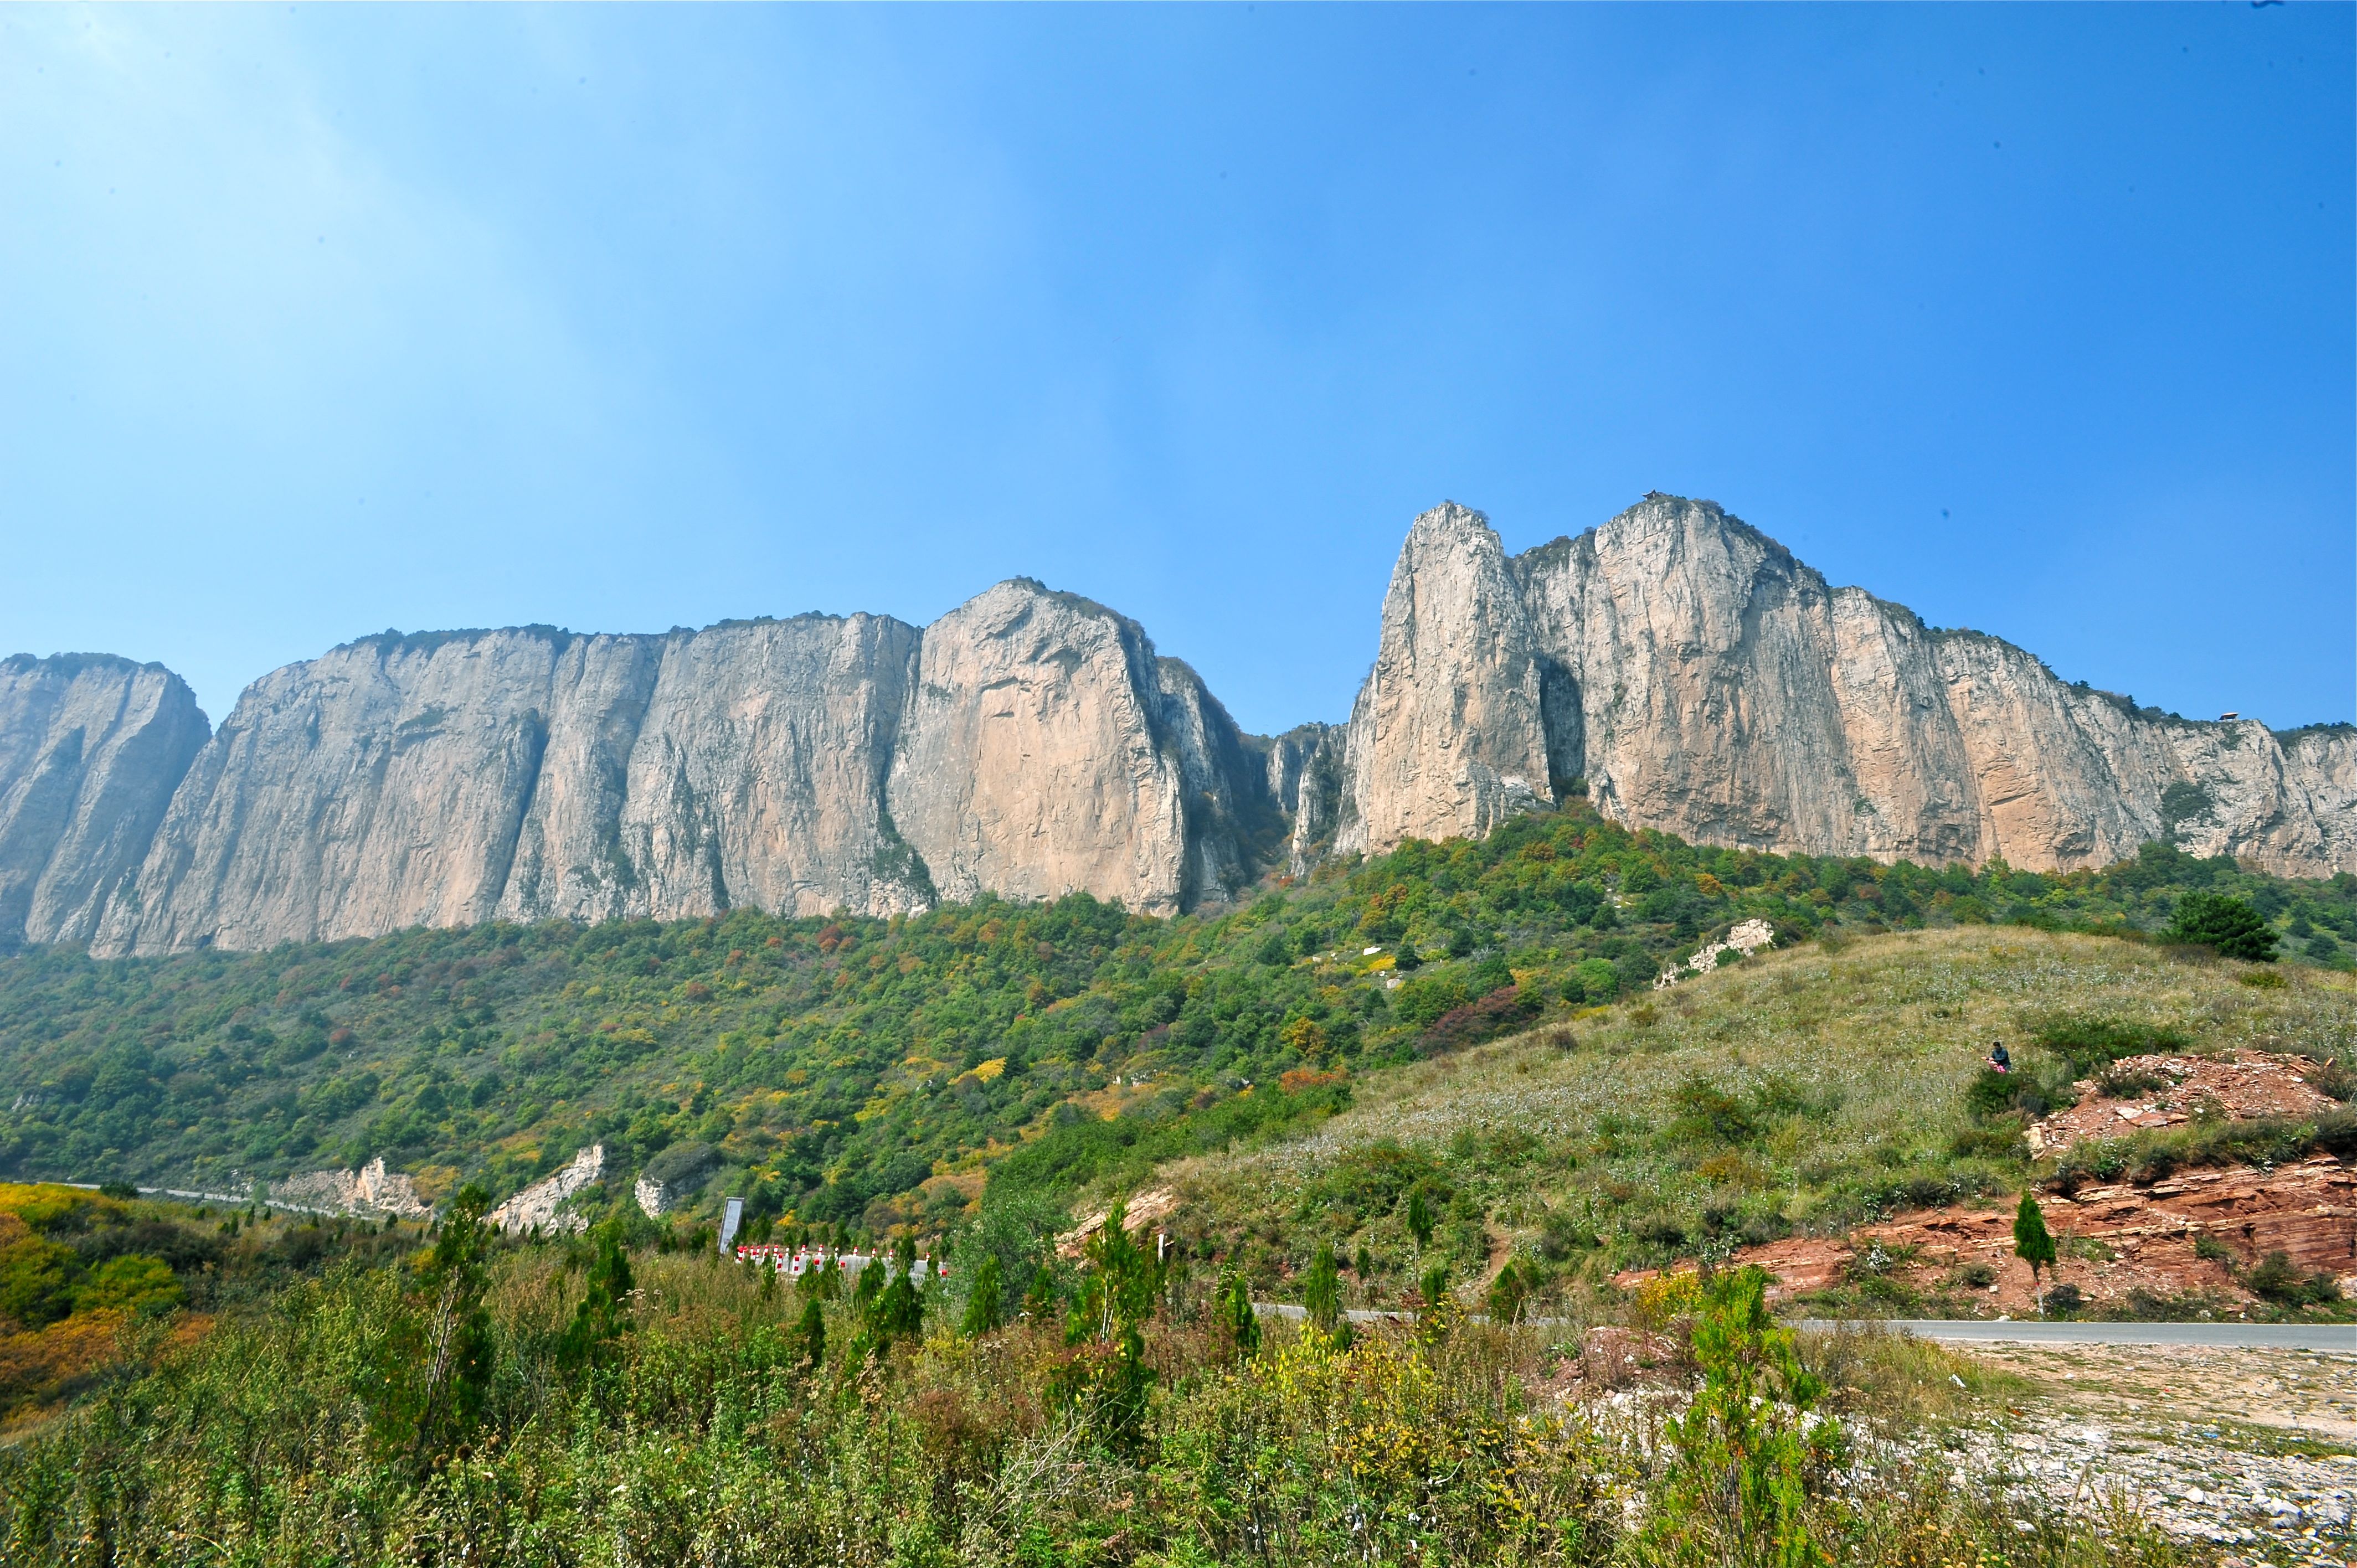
<point>1680,666</point>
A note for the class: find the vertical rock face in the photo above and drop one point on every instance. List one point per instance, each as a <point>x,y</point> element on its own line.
<point>1448,735</point>
<point>2320,763</point>
<point>1234,824</point>
<point>1045,749</point>
<point>764,758</point>
<point>381,786</point>
<point>92,747</point>
<point>1032,743</point>
<point>447,779</point>
<point>1706,683</point>
<point>743,764</point>
<point>1306,781</point>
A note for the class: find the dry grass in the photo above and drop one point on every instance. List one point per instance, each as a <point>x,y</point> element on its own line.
<point>1896,1381</point>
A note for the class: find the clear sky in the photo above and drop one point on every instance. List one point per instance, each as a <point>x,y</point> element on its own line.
<point>317,320</point>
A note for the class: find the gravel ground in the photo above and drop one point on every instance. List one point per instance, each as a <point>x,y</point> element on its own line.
<point>2254,1450</point>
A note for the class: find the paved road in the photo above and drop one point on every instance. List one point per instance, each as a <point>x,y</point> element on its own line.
<point>2339,1337</point>
<point>1295,1312</point>
<point>230,1199</point>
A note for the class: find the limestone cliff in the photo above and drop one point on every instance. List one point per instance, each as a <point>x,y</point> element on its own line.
<point>1305,781</point>
<point>1046,749</point>
<point>522,773</point>
<point>541,1207</point>
<point>372,1189</point>
<point>1706,683</point>
<point>744,764</point>
<point>1447,736</point>
<point>1030,743</point>
<point>92,747</point>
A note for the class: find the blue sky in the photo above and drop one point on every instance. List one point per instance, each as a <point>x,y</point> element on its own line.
<point>324,319</point>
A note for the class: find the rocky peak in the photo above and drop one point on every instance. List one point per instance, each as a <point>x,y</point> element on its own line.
<point>1032,743</point>
<point>1447,736</point>
<point>1705,683</point>
<point>1048,749</point>
<point>92,747</point>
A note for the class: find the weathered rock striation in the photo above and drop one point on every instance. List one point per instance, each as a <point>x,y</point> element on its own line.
<point>1046,749</point>
<point>1680,666</point>
<point>1030,743</point>
<point>541,1206</point>
<point>92,747</point>
<point>1703,682</point>
<point>1305,779</point>
<point>1448,735</point>
<point>524,774</point>
<point>372,1189</point>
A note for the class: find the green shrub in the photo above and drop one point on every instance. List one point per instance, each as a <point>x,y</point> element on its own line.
<point>985,1306</point>
<point>1749,1462</point>
<point>1707,1113</point>
<point>2151,1155</point>
<point>2032,1243</point>
<point>2228,925</point>
<point>128,1283</point>
<point>715,1432</point>
<point>2277,1279</point>
<point>2329,1077</point>
<point>1594,981</point>
<point>2119,1084</point>
<point>1321,1293</point>
<point>2087,1044</point>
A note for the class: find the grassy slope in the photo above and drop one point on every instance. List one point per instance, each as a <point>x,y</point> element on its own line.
<point>1801,1091</point>
<point>865,1072</point>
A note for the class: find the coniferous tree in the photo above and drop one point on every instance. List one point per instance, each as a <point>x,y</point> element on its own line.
<point>870,1284</point>
<point>2227,925</point>
<point>1419,1220</point>
<point>812,1332</point>
<point>1236,1315</point>
<point>897,1311</point>
<point>2031,1243</point>
<point>459,1348</point>
<point>1119,1292</point>
<point>1322,1292</point>
<point>1507,1292</point>
<point>604,1312</point>
<point>1039,1296</point>
<point>1433,1316</point>
<point>985,1305</point>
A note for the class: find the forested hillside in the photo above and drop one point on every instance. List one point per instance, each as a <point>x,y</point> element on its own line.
<point>868,1072</point>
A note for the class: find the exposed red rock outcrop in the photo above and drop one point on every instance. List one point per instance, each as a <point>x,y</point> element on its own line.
<point>2114,1240</point>
<point>2246,1084</point>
